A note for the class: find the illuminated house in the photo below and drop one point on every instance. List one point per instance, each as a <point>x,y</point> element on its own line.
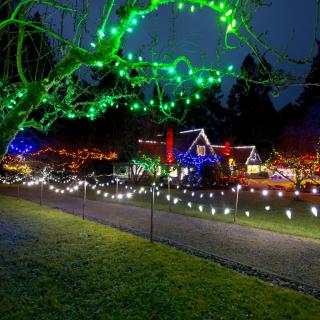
<point>240,158</point>
<point>193,149</point>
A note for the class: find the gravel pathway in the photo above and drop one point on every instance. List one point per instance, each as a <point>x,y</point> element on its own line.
<point>287,256</point>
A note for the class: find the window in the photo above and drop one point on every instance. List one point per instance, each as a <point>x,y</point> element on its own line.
<point>201,151</point>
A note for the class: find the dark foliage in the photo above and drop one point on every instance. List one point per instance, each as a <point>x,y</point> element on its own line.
<point>252,116</point>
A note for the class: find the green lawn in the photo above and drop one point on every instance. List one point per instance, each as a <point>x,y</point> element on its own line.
<point>56,266</point>
<point>302,224</point>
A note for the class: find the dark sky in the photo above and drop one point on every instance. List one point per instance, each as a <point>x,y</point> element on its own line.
<point>290,27</point>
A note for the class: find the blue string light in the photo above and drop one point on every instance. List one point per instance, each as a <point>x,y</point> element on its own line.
<point>189,160</point>
<point>20,147</point>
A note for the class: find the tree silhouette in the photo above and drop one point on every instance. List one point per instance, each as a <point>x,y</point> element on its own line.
<point>208,113</point>
<point>252,116</point>
<point>311,92</point>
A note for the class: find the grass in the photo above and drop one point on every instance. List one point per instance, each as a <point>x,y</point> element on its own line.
<point>56,266</point>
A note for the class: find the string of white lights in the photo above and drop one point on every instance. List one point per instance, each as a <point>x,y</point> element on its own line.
<point>130,191</point>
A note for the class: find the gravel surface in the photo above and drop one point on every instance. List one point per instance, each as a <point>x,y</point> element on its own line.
<point>260,251</point>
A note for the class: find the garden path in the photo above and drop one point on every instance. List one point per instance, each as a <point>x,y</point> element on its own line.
<point>288,256</point>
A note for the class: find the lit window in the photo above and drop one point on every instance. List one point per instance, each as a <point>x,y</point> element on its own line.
<point>201,151</point>
<point>232,163</point>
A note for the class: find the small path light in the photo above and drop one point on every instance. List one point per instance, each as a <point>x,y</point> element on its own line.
<point>289,214</point>
<point>237,201</point>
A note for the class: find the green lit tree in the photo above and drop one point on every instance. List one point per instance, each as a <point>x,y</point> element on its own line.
<point>38,102</point>
<point>149,164</point>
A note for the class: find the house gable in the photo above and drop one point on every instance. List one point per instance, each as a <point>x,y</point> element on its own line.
<point>199,141</point>
<point>242,155</point>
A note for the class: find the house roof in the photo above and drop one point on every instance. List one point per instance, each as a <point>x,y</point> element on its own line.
<point>186,141</point>
<point>154,147</point>
<point>241,154</point>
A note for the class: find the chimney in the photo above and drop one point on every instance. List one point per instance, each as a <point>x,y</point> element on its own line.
<point>227,148</point>
<point>169,146</point>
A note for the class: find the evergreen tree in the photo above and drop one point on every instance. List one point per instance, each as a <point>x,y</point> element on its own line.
<point>311,93</point>
<point>208,113</point>
<point>252,117</point>
<point>302,120</point>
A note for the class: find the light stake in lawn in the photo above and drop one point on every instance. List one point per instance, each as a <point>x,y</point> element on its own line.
<point>289,214</point>
<point>169,193</point>
<point>152,211</point>
<point>117,187</point>
<point>18,184</point>
<point>237,200</point>
<point>41,191</point>
<point>84,197</point>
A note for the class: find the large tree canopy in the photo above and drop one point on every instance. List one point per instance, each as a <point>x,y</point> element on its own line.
<point>39,100</point>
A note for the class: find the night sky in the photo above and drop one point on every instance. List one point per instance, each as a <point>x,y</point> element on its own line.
<point>290,26</point>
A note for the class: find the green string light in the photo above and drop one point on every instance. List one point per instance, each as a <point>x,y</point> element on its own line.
<point>164,73</point>
<point>101,34</point>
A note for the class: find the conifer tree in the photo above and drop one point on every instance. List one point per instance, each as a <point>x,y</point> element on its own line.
<point>252,117</point>
<point>311,92</point>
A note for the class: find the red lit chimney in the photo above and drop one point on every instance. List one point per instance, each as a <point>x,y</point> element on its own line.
<point>169,146</point>
<point>227,148</point>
